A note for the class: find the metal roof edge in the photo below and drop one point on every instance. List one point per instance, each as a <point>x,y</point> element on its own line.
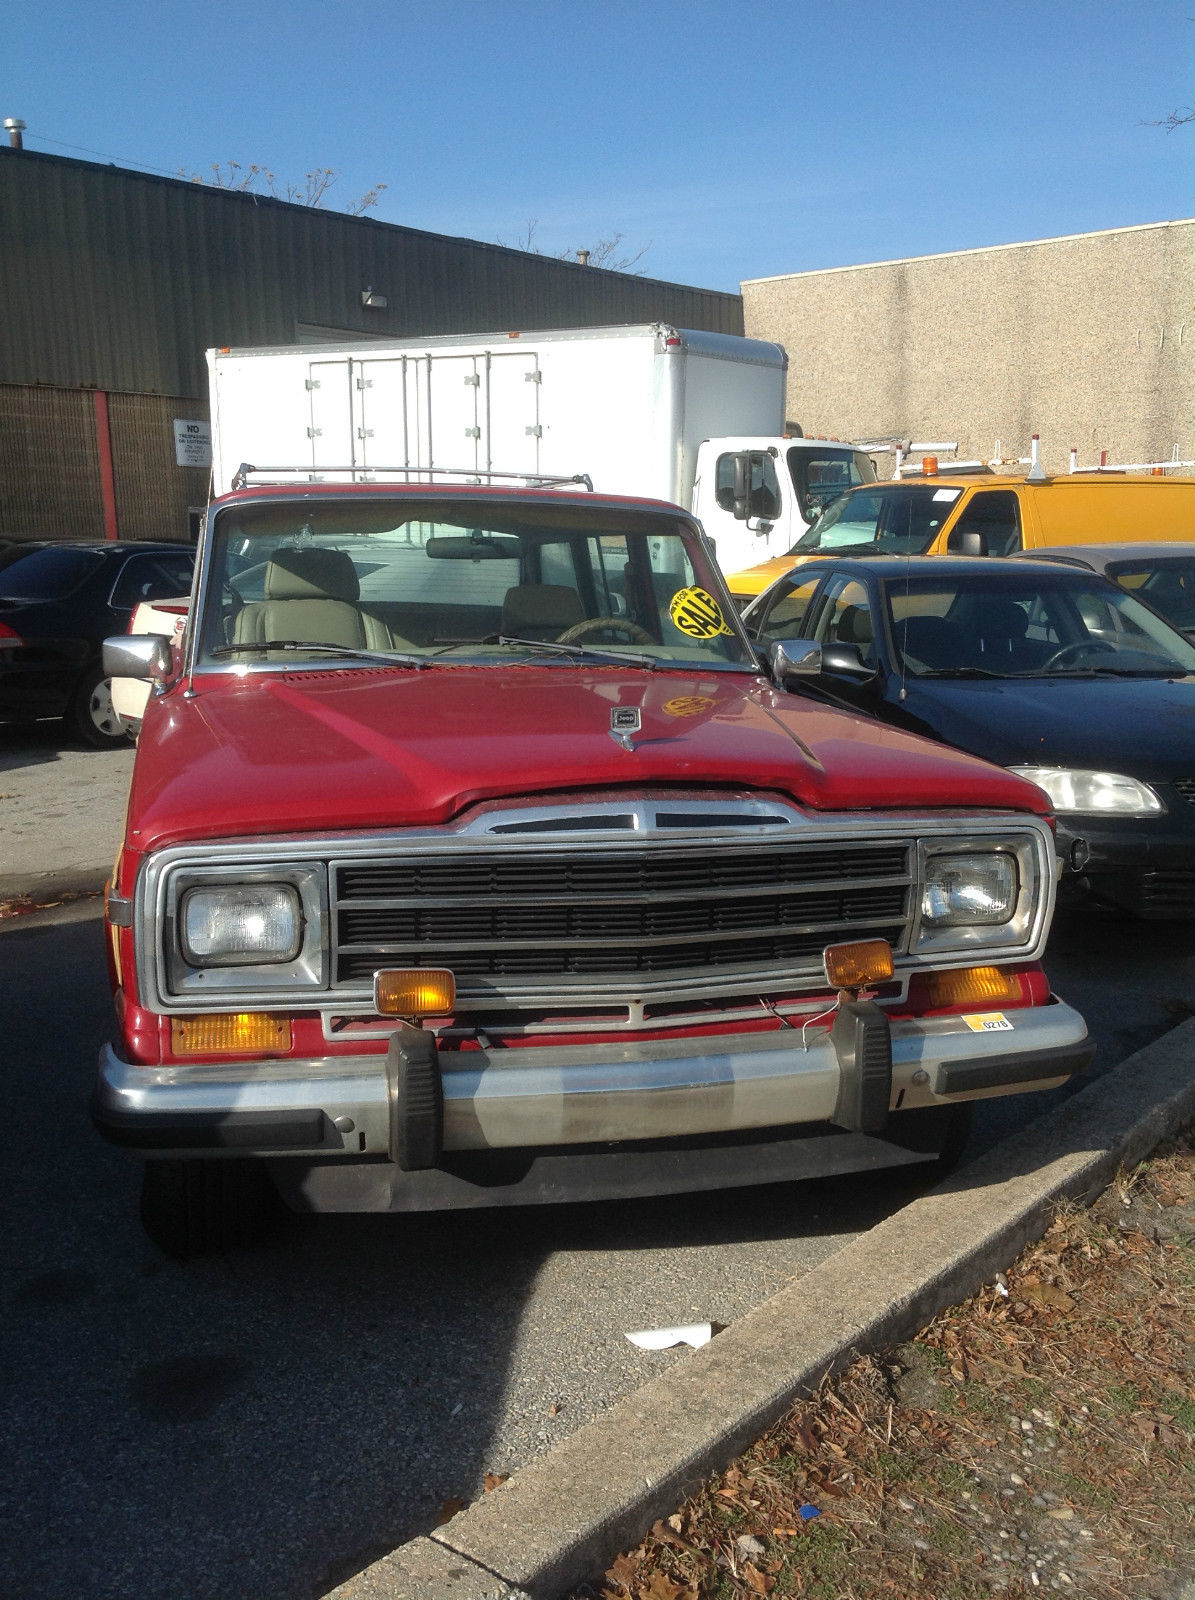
<point>977,250</point>
<point>329,213</point>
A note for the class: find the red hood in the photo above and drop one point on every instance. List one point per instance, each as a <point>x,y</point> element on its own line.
<point>361,748</point>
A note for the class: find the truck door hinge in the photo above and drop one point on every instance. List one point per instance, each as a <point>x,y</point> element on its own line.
<point>473,380</point>
<point>535,432</point>
<point>365,383</point>
<point>533,377</point>
<point>365,433</point>
<point>311,383</point>
<point>472,433</point>
<point>314,433</point>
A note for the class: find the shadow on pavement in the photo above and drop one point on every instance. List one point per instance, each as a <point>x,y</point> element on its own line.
<point>271,1421</point>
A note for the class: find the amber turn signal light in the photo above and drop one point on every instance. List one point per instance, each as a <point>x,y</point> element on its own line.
<point>972,986</point>
<point>214,1035</point>
<point>850,966</point>
<point>414,992</point>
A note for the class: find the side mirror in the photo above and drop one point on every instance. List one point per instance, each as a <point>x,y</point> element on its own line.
<point>967,542</point>
<point>847,660</point>
<point>138,655</point>
<point>794,658</point>
<point>742,486</point>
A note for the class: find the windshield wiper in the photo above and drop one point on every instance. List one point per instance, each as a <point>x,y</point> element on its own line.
<point>969,672</point>
<point>595,652</point>
<point>1122,672</point>
<point>387,657</point>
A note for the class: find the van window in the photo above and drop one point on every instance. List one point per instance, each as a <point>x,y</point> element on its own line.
<point>885,520</point>
<point>764,495</point>
<point>994,513</point>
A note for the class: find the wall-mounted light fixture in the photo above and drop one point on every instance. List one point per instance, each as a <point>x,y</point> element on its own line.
<point>371,297</point>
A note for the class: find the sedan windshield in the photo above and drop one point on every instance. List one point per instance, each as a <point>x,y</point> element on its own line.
<point>1027,627</point>
<point>372,580</point>
<point>885,520</point>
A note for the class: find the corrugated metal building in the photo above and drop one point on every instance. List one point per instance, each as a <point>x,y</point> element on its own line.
<point>113,283</point>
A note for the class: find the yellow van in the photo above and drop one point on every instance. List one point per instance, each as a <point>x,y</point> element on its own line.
<point>982,513</point>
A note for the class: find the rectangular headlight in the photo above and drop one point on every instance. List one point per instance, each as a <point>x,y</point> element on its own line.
<point>966,891</point>
<point>233,926</point>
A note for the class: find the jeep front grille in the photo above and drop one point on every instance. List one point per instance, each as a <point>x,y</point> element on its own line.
<point>514,921</point>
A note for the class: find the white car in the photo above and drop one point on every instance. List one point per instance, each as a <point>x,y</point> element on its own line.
<point>168,617</point>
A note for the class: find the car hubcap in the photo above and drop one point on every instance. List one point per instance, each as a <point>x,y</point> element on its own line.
<point>103,714</point>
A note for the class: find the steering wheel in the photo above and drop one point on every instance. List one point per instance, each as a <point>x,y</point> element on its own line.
<point>588,626</point>
<point>1080,646</point>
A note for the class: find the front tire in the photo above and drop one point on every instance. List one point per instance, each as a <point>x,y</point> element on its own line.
<point>93,716</point>
<point>192,1208</point>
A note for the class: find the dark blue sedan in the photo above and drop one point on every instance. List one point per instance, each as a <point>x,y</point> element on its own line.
<point>1050,670</point>
<point>58,603</point>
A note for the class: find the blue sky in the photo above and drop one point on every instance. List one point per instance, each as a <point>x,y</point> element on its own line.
<point>733,140</point>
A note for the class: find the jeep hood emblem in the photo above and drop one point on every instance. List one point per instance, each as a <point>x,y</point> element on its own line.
<point>625,721</point>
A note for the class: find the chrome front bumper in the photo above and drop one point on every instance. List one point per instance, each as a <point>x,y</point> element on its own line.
<point>543,1098</point>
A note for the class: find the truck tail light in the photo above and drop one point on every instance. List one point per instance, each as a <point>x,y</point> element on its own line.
<point>413,992</point>
<point>224,1034</point>
<point>9,637</point>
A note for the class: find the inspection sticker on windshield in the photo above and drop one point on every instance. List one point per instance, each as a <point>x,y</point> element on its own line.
<point>947,494</point>
<point>695,612</point>
<point>988,1022</point>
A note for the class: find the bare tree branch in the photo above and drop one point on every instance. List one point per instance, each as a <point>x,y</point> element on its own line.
<point>1176,119</point>
<point>260,180</point>
<point>602,254</point>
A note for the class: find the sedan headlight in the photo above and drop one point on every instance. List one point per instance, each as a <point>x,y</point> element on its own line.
<point>1096,793</point>
<point>240,926</point>
<point>966,891</point>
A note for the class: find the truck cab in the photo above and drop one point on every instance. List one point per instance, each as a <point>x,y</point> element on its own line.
<point>756,495</point>
<point>474,857</point>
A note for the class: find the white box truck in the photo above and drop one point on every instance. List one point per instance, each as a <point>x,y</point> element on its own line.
<point>654,411</point>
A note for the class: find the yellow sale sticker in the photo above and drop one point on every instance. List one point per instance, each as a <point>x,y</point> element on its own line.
<point>695,612</point>
<point>988,1022</point>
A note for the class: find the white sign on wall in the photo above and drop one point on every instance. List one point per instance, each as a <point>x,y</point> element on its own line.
<point>192,443</point>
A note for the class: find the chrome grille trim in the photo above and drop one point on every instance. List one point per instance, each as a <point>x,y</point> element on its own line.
<point>467,840</point>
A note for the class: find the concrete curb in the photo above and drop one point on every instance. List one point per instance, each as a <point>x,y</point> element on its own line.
<point>563,1518</point>
<point>43,886</point>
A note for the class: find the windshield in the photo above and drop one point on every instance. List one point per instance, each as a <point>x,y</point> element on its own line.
<point>1168,585</point>
<point>1024,627</point>
<point>821,475</point>
<point>887,520</point>
<point>462,582</point>
<point>50,572</point>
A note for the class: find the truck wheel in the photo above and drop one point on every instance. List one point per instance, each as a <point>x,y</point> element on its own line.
<point>941,1132</point>
<point>92,715</point>
<point>191,1208</point>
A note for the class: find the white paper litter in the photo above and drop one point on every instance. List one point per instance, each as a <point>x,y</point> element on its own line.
<point>694,1333</point>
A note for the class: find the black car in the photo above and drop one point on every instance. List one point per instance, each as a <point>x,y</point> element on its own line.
<point>58,603</point>
<point>1047,669</point>
<point>1161,573</point>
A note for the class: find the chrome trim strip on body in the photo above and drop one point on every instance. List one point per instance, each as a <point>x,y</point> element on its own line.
<point>580,1094</point>
<point>476,834</point>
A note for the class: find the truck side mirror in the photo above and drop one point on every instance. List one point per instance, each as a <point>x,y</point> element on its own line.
<point>742,486</point>
<point>794,659</point>
<point>138,655</point>
<point>967,542</point>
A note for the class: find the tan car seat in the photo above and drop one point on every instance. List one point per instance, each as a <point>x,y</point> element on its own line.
<point>312,595</point>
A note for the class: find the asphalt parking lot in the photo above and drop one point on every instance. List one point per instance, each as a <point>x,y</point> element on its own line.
<point>268,1422</point>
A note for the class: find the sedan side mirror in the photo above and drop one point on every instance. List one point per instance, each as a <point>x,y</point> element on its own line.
<point>846,659</point>
<point>138,655</point>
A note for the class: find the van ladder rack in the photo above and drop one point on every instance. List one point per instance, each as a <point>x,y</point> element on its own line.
<point>471,475</point>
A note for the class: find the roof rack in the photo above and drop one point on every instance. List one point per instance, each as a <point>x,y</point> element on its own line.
<point>358,474</point>
<point>1157,468</point>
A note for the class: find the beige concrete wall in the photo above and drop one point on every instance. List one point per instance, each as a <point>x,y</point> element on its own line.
<point>1087,340</point>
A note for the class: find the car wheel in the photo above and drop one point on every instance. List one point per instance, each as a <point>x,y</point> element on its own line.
<point>92,714</point>
<point>192,1208</point>
<point>941,1132</point>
